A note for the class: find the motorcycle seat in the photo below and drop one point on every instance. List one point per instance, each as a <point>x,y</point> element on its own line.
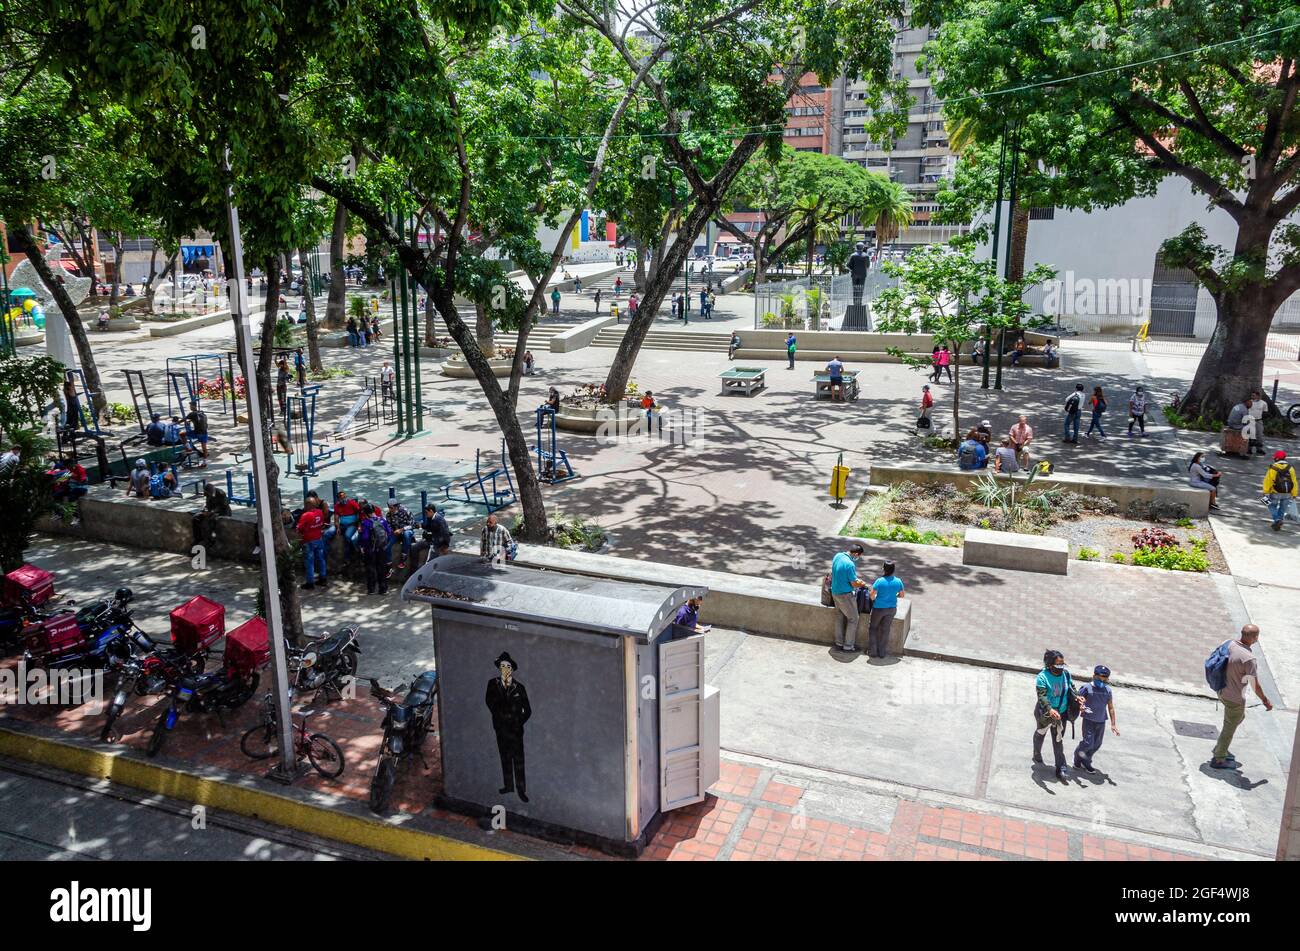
<point>199,681</point>
<point>424,687</point>
<point>331,645</point>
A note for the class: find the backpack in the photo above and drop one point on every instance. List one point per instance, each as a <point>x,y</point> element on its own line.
<point>1216,667</point>
<point>379,539</point>
<point>1072,402</point>
<point>1101,406</point>
<point>1282,482</point>
<point>967,458</point>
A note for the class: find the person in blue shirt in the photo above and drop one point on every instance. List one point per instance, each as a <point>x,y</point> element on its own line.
<point>972,454</point>
<point>844,585</point>
<point>885,592</point>
<point>155,431</point>
<point>1098,702</point>
<point>1056,692</point>
<point>163,485</point>
<point>836,370</point>
<point>791,345</point>
<point>687,621</point>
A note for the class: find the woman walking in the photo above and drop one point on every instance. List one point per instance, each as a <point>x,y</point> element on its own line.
<point>1098,404</point>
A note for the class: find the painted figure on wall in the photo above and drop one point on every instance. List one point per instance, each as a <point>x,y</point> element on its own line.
<point>507,700</point>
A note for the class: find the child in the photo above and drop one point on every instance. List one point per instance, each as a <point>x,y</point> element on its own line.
<point>1098,702</point>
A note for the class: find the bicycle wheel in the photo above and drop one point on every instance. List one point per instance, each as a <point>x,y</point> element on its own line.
<point>325,756</point>
<point>259,742</point>
<point>381,787</point>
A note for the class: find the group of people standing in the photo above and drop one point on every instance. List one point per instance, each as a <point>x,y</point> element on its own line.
<point>363,332</point>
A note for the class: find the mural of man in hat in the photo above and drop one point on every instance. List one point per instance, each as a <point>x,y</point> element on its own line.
<point>507,701</point>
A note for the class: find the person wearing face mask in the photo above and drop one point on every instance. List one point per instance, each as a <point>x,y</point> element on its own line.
<point>1137,410</point>
<point>1098,703</point>
<point>1058,703</point>
<point>844,589</point>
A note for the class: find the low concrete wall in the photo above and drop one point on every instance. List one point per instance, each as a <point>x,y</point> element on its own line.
<point>991,549</point>
<point>855,346</point>
<point>29,338</point>
<point>757,605</point>
<point>580,336</point>
<point>192,323</point>
<point>1123,491</point>
<point>461,370</point>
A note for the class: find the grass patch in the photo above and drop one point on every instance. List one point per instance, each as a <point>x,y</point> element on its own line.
<point>906,533</point>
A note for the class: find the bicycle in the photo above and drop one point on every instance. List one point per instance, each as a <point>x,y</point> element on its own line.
<point>261,742</point>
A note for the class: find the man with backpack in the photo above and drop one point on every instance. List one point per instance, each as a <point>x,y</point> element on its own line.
<point>1058,704</point>
<point>1073,410</point>
<point>971,454</point>
<point>374,539</point>
<point>198,425</point>
<point>1280,490</point>
<point>1226,671</point>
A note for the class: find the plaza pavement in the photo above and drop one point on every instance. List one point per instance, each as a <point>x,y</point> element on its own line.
<point>750,497</point>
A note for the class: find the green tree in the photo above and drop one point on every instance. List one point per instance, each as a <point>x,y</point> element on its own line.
<point>945,293</point>
<point>1115,96</point>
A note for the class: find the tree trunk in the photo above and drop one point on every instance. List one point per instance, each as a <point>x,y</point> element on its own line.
<point>290,608</point>
<point>313,328</point>
<point>335,307</point>
<point>956,391</point>
<point>760,265</point>
<point>483,331</point>
<point>113,295</point>
<point>638,272</point>
<point>75,327</point>
<point>1019,240</point>
<point>430,322</point>
<point>1233,362</point>
<point>152,291</point>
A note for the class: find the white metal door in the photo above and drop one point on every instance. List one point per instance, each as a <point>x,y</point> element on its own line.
<point>681,726</point>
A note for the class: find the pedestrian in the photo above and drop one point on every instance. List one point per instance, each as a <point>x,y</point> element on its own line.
<point>597,297</point>
<point>1200,475</point>
<point>1018,351</point>
<point>163,484</point>
<point>687,620</point>
<point>387,375</point>
<point>577,285</point>
<point>435,538</point>
<point>648,404</point>
<point>945,362</point>
<point>971,454</point>
<point>791,345</point>
<point>936,370</point>
<point>927,404</point>
<point>374,539</point>
<point>528,363</point>
<point>1255,425</point>
<point>282,383</point>
<point>1227,670</point>
<point>1137,410</point>
<point>1098,405</point>
<point>311,529</point>
<point>704,304</point>
<point>353,341</point>
<point>198,431</point>
<point>402,525</point>
<point>300,367</point>
<point>618,287</point>
<point>555,301</point>
<point>633,302</point>
<point>138,483</point>
<point>376,331</point>
<point>1021,435</point>
<point>1058,703</point>
<point>844,587</point>
<point>496,543</point>
<point>1098,706</point>
<point>1073,410</point>
<point>1280,490</point>
<point>733,345</point>
<point>14,455</point>
<point>885,592</point>
<point>71,404</point>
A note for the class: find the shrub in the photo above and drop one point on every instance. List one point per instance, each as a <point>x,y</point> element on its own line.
<point>329,373</point>
<point>1174,558</point>
<point>1184,522</point>
<point>1154,538</point>
<point>120,413</point>
<point>1089,554</point>
<point>906,533</point>
<point>939,442</point>
<point>1199,423</point>
<point>1119,558</point>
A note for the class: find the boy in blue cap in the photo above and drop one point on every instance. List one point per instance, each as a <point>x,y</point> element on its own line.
<point>1098,702</point>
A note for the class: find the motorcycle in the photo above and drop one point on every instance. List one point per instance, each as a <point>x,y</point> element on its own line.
<point>405,726</point>
<point>161,668</point>
<point>98,634</point>
<point>215,692</point>
<point>327,663</point>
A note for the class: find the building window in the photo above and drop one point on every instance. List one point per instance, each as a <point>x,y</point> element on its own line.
<point>811,148</point>
<point>1042,214</point>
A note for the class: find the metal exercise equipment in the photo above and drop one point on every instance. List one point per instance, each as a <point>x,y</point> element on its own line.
<point>552,461</point>
<point>485,485</point>
<point>188,371</point>
<point>300,425</point>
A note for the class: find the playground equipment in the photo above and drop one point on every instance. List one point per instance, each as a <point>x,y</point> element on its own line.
<point>553,462</point>
<point>135,378</point>
<point>183,376</point>
<point>492,498</point>
<point>300,425</point>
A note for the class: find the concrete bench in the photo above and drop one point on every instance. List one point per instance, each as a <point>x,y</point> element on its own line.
<point>756,605</point>
<point>1123,492</point>
<point>989,549</point>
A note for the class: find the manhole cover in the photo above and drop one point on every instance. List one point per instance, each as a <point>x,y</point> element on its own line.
<point>1200,731</point>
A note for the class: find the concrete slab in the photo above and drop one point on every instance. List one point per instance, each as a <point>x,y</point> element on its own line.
<point>1018,552</point>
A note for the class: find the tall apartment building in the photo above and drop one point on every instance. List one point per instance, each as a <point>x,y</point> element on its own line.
<point>808,113</point>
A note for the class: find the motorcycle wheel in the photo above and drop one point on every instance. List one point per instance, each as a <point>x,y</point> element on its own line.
<point>110,733</point>
<point>237,700</point>
<point>381,787</point>
<point>325,756</point>
<point>259,742</point>
<point>159,735</point>
<point>348,664</point>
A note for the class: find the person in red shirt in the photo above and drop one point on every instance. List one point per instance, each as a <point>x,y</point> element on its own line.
<point>311,528</point>
<point>927,401</point>
<point>347,515</point>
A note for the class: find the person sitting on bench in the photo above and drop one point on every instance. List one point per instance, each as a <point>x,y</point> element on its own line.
<point>155,432</point>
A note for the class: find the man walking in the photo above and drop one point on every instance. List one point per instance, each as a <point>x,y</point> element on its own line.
<point>1098,706</point>
<point>1235,663</point>
<point>886,590</point>
<point>844,589</point>
<point>1137,410</point>
<point>1073,410</point>
<point>1280,490</point>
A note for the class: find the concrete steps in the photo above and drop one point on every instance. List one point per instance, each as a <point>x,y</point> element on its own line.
<point>667,340</point>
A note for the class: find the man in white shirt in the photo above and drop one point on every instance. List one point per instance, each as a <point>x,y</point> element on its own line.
<point>386,377</point>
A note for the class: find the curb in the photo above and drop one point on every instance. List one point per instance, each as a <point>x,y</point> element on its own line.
<point>330,823</point>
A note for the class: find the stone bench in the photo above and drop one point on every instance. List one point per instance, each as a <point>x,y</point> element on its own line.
<point>755,605</point>
<point>868,356</point>
<point>1123,492</point>
<point>989,549</point>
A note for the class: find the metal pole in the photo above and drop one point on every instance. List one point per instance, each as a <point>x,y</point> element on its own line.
<point>416,337</point>
<point>997,229</point>
<point>286,772</point>
<point>1011,206</point>
<point>399,381</point>
<point>400,276</point>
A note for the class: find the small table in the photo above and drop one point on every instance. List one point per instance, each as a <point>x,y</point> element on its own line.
<point>747,380</point>
<point>822,381</point>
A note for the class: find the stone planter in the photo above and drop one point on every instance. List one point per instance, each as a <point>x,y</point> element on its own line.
<point>607,419</point>
<point>458,368</point>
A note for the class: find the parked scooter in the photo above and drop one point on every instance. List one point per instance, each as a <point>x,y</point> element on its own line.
<point>405,726</point>
<point>326,663</point>
<point>215,692</point>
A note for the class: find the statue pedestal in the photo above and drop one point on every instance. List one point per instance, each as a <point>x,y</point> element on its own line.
<point>856,318</point>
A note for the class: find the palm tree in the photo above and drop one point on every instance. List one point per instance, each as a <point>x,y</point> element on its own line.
<point>890,211</point>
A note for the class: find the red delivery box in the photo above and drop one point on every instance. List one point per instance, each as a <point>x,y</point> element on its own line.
<point>54,636</point>
<point>248,647</point>
<point>198,624</point>
<point>28,583</point>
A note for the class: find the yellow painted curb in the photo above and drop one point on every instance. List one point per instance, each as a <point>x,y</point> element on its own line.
<point>244,801</point>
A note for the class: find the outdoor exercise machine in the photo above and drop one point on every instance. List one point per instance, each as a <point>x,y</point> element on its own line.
<point>189,370</point>
<point>135,378</point>
<point>300,426</point>
<point>484,484</point>
<point>553,462</point>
